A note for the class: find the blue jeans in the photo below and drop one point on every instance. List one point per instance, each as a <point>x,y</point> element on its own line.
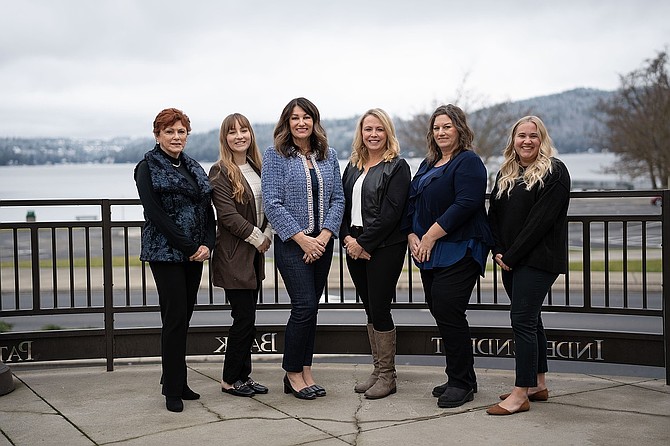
<point>527,287</point>
<point>305,284</point>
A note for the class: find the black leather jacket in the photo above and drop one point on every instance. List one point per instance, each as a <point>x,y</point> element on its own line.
<point>384,195</point>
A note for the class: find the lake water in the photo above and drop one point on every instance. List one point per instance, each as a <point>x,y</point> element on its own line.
<point>75,181</point>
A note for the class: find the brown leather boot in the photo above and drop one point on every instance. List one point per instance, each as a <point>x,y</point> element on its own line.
<point>385,385</point>
<point>372,379</point>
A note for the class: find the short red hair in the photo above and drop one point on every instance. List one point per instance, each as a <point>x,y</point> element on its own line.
<point>168,117</point>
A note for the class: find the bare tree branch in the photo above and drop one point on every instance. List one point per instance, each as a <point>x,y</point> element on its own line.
<point>637,121</point>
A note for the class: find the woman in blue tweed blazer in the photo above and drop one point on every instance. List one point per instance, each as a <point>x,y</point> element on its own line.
<point>304,202</point>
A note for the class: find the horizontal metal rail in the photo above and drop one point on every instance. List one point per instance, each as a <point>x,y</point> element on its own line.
<point>91,267</point>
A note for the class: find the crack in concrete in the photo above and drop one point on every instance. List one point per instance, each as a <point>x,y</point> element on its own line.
<point>58,412</point>
<point>303,420</point>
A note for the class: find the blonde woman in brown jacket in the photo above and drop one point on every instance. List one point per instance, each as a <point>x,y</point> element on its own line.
<point>243,236</point>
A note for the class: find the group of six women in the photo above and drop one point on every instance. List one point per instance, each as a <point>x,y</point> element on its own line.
<point>377,210</point>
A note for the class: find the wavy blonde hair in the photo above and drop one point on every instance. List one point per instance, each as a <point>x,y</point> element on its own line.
<point>511,169</point>
<point>359,153</point>
<point>226,154</point>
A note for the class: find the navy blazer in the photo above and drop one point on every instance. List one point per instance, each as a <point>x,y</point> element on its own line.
<point>455,199</point>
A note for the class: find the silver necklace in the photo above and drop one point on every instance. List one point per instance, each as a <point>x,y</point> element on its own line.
<point>176,165</point>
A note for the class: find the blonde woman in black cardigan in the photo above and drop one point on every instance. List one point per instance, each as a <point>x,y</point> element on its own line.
<point>243,236</point>
<point>528,217</point>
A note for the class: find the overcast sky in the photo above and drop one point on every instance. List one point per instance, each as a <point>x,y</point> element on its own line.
<point>102,68</point>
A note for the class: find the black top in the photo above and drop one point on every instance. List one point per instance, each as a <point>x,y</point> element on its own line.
<point>530,227</point>
<point>383,198</point>
<point>151,203</point>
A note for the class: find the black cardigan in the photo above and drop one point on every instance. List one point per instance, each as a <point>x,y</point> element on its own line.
<point>530,227</point>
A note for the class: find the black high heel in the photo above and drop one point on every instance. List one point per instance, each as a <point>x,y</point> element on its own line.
<point>318,390</point>
<point>303,394</point>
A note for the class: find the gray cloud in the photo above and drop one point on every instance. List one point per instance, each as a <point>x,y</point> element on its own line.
<point>105,68</point>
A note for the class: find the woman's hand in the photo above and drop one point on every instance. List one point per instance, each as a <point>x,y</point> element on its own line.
<point>413,241</point>
<point>265,245</point>
<point>324,237</point>
<point>200,255</point>
<point>420,247</point>
<point>313,247</point>
<point>354,250</point>
<point>424,248</point>
<point>499,261</point>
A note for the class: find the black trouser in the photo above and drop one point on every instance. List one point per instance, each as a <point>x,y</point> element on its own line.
<point>237,363</point>
<point>448,292</point>
<point>527,287</point>
<point>376,281</point>
<point>177,285</point>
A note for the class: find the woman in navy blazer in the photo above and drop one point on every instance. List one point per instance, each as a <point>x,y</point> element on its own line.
<point>449,238</point>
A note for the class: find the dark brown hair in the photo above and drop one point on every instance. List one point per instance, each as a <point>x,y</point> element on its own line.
<point>465,133</point>
<point>283,139</point>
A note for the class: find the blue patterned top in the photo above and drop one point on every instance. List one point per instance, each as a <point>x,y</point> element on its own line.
<point>288,200</point>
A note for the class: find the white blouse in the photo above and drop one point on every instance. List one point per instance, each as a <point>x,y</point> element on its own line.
<point>357,202</point>
<point>256,237</point>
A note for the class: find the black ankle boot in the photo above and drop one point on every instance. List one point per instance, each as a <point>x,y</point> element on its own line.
<point>174,404</point>
<point>188,394</point>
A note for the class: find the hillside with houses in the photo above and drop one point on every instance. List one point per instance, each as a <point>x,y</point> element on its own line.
<point>570,117</point>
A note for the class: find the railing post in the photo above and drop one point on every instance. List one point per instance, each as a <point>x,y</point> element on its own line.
<point>35,265</point>
<point>665,286</point>
<point>108,281</point>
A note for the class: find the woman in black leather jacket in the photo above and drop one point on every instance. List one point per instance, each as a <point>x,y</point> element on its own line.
<point>376,183</point>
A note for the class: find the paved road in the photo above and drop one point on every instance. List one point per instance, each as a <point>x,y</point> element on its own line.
<point>579,207</point>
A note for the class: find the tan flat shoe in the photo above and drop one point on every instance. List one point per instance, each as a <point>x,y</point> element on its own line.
<point>497,410</point>
<point>540,395</point>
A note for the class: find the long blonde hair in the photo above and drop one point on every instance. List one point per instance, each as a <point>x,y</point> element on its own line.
<point>511,169</point>
<point>226,154</point>
<point>359,153</point>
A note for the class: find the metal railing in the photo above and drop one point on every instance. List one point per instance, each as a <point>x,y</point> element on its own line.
<point>88,269</point>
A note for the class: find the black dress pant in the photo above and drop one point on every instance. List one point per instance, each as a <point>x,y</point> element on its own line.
<point>237,363</point>
<point>527,287</point>
<point>448,292</point>
<point>177,284</point>
<point>375,281</point>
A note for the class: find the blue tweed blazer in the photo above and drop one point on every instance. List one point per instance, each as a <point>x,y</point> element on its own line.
<point>287,200</point>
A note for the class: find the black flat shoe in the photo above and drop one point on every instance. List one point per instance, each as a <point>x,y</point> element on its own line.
<point>455,397</point>
<point>174,404</point>
<point>256,387</point>
<point>239,389</point>
<point>318,390</point>
<point>188,394</point>
<point>439,390</point>
<point>302,394</point>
